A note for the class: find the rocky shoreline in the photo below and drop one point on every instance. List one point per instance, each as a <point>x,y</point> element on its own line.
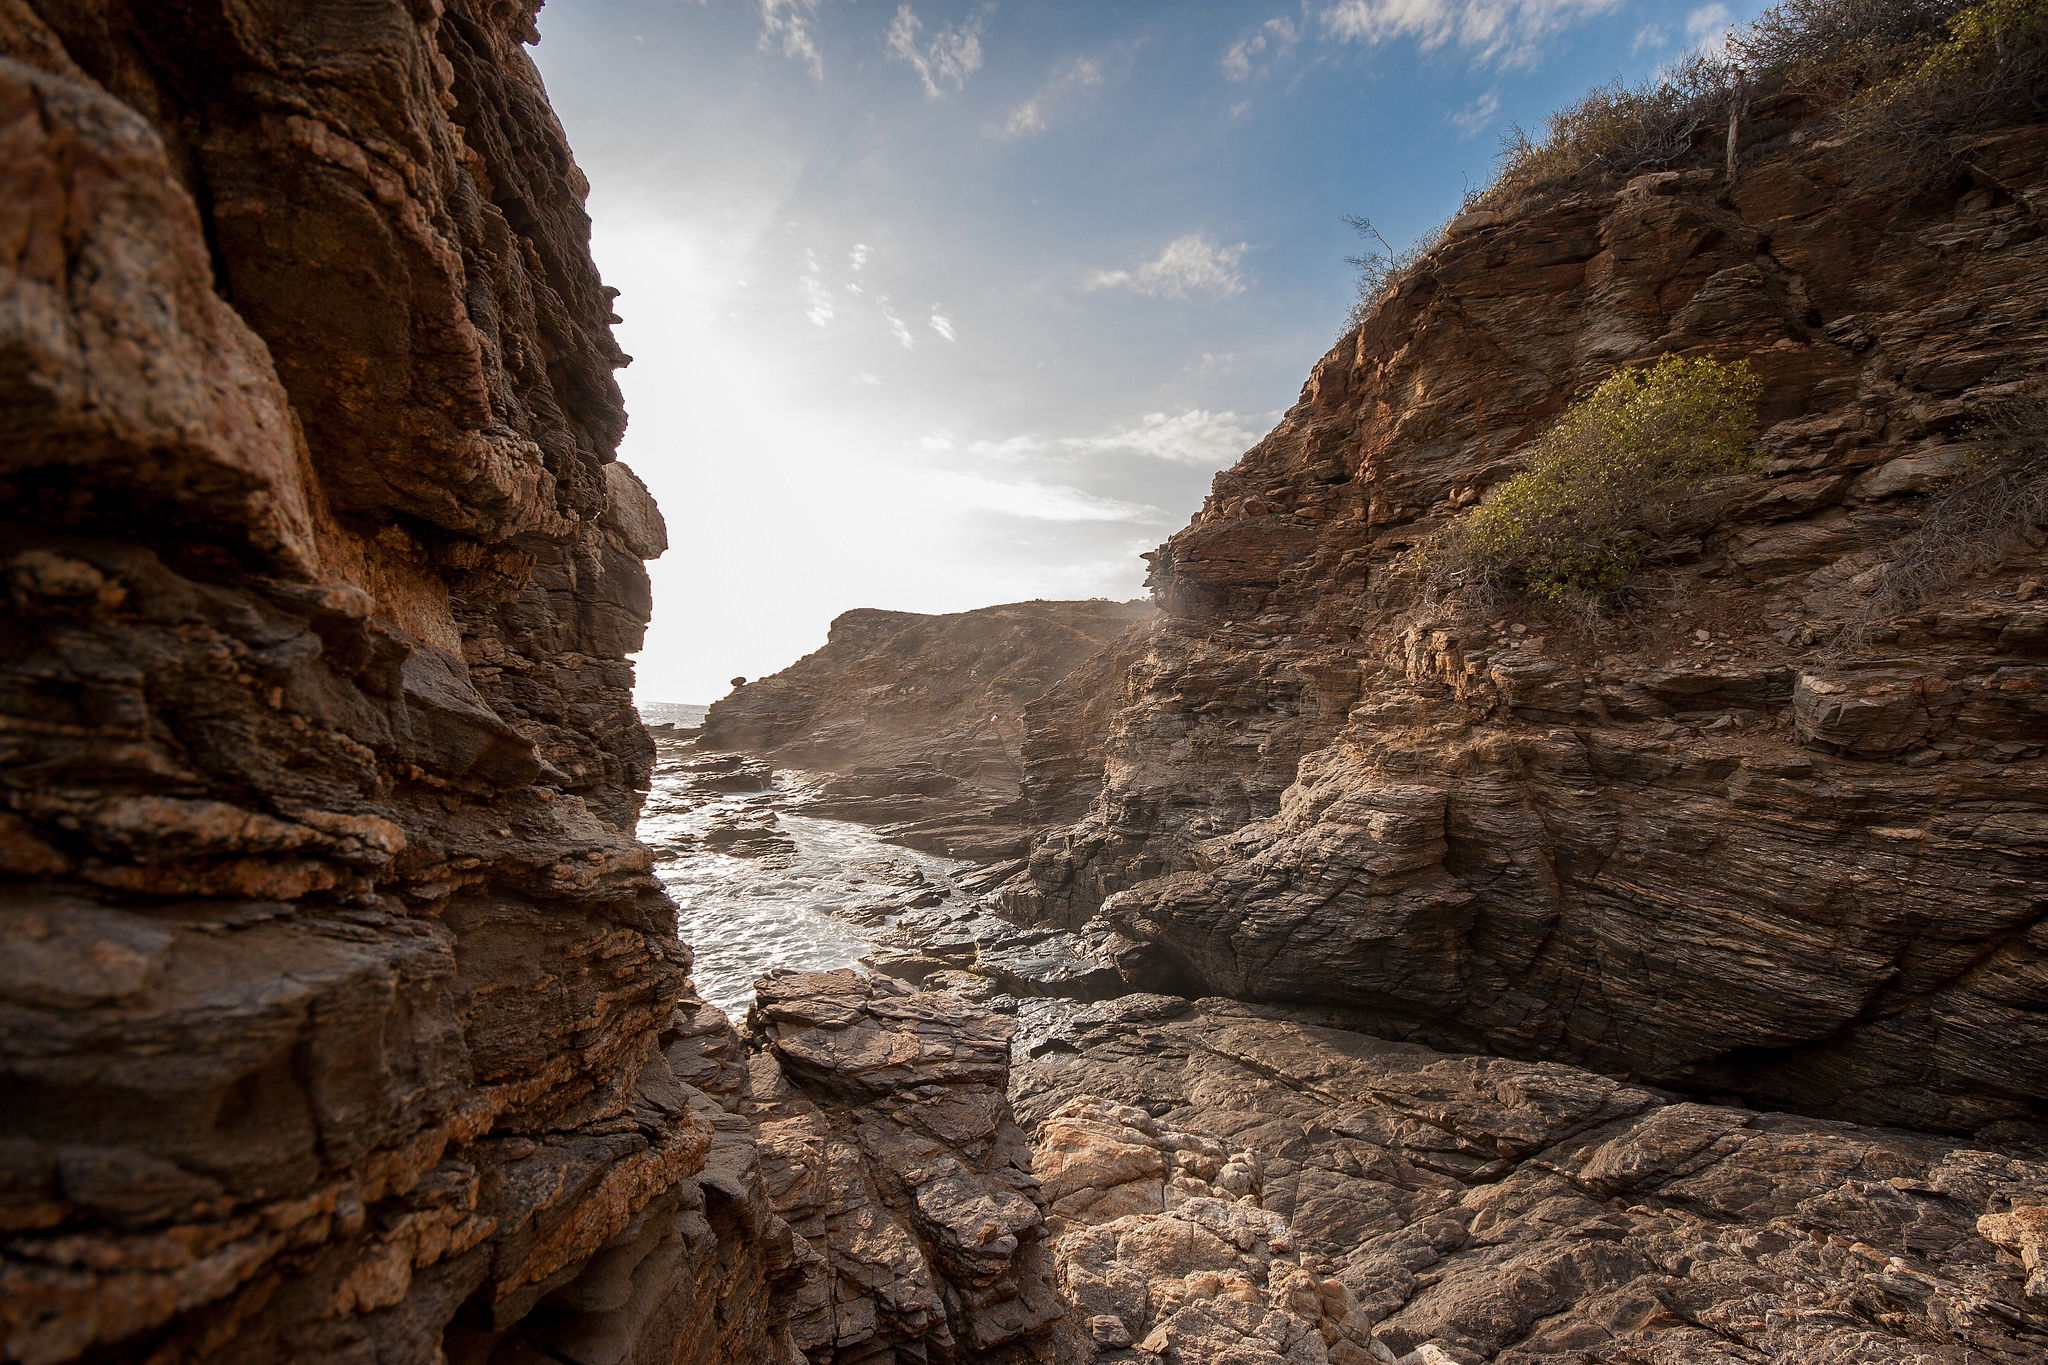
<point>1205,1179</point>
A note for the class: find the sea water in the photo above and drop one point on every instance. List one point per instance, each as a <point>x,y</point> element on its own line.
<point>789,905</point>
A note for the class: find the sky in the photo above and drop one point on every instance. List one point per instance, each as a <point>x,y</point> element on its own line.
<point>936,304</point>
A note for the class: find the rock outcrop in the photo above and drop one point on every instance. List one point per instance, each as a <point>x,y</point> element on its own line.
<point>1777,830</point>
<point>887,1142</point>
<point>1231,1182</point>
<point>919,721</point>
<point>338,1008</point>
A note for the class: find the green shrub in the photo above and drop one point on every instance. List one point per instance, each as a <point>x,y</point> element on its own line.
<point>1990,69</point>
<point>1621,467</point>
<point>1837,42</point>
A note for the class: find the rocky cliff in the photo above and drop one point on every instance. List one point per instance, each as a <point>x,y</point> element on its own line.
<point>1776,828</point>
<point>920,720</point>
<point>337,1004</point>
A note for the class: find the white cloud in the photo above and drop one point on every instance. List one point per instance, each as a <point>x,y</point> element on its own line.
<point>943,325</point>
<point>1474,118</point>
<point>1186,266</point>
<point>945,62</point>
<point>1506,32</point>
<point>867,379</point>
<point>819,306</point>
<point>1082,73</point>
<point>1207,440</point>
<point>1649,38</point>
<point>786,26</point>
<point>1035,501</point>
<point>898,328</point>
<point>1264,47</point>
<point>1706,28</point>
<point>1210,440</point>
<point>857,256</point>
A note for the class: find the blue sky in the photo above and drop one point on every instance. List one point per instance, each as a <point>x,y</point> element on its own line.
<point>938,305</point>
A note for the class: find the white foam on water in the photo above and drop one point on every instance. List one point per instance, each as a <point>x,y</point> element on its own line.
<point>746,916</point>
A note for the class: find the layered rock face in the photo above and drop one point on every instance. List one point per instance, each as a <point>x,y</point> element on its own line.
<point>921,719</point>
<point>1775,831</point>
<point>337,1004</point>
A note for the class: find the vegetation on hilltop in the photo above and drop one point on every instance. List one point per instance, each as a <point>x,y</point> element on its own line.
<point>1905,76</point>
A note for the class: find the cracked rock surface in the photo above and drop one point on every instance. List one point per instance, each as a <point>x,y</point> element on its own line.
<point>1237,1182</point>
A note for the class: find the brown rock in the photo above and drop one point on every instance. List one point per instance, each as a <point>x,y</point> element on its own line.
<point>1770,831</point>
<point>919,720</point>
<point>338,1003</point>
<point>888,1144</point>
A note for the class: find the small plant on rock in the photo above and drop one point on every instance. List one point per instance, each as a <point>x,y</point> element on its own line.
<point>1623,466</point>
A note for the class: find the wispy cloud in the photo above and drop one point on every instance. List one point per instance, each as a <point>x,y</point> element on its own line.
<point>1706,28</point>
<point>819,306</point>
<point>857,255</point>
<point>898,328</point>
<point>948,58</point>
<point>1473,119</point>
<point>943,325</point>
<point>1082,73</point>
<point>1185,267</point>
<point>786,27</point>
<point>1265,46</point>
<point>1502,32</point>
<point>1207,440</point>
<point>1035,501</point>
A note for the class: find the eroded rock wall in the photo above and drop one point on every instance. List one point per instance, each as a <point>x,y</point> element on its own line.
<point>1745,837</point>
<point>338,1008</point>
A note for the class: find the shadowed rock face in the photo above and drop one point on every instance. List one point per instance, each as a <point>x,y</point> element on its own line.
<point>1744,838</point>
<point>334,987</point>
<point>921,720</point>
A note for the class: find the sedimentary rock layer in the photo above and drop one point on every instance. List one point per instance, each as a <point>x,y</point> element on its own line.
<point>921,719</point>
<point>333,984</point>
<point>1774,829</point>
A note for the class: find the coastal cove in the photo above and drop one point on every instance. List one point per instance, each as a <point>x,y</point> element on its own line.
<point>1552,869</point>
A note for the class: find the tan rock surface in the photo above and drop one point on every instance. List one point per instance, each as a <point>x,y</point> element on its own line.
<point>1231,1182</point>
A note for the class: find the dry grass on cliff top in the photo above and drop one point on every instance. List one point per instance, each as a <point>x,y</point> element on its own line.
<point>1905,77</point>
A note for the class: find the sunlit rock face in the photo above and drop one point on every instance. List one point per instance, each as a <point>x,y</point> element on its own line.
<point>336,996</point>
<point>921,721</point>
<point>1229,1182</point>
<point>1744,838</point>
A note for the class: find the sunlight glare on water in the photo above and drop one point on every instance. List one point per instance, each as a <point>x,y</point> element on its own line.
<point>746,915</point>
